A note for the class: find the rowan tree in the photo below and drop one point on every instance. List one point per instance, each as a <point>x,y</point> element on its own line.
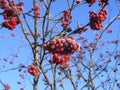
<point>60,45</point>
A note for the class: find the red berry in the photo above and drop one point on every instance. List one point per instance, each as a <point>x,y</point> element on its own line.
<point>109,31</point>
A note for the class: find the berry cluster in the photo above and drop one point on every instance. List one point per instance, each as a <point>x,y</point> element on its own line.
<point>11,23</point>
<point>60,59</point>
<point>33,70</point>
<point>3,4</point>
<point>36,11</point>
<point>62,48</point>
<point>90,2</point>
<point>97,19</point>
<point>62,45</point>
<point>57,58</point>
<point>66,19</point>
<point>11,19</point>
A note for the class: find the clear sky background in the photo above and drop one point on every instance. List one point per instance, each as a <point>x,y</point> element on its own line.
<point>17,45</point>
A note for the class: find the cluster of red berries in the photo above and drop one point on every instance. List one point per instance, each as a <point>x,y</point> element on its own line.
<point>97,19</point>
<point>11,19</point>
<point>62,60</point>
<point>62,48</point>
<point>62,45</point>
<point>33,70</point>
<point>90,2</point>
<point>3,4</point>
<point>11,23</point>
<point>66,19</point>
<point>57,58</point>
<point>36,10</point>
